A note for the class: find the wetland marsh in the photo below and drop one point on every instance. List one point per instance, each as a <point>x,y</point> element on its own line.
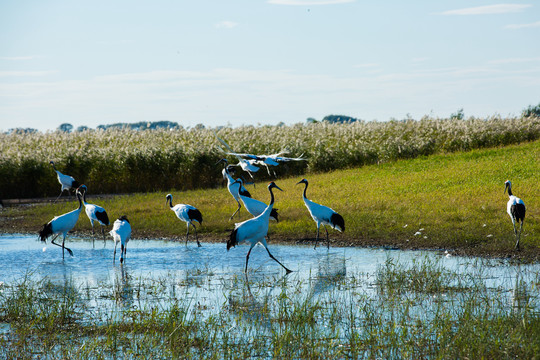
<point>169,300</point>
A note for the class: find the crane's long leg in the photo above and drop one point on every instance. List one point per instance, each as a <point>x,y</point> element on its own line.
<point>61,192</point>
<point>276,260</point>
<point>122,253</point>
<point>187,234</point>
<point>317,238</point>
<point>247,256</point>
<point>237,210</point>
<point>103,233</point>
<point>114,253</point>
<point>515,233</point>
<point>518,235</point>
<point>62,246</point>
<point>327,239</point>
<point>196,238</point>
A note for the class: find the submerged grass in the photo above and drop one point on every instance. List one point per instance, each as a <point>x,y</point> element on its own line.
<point>283,318</point>
<point>451,201</point>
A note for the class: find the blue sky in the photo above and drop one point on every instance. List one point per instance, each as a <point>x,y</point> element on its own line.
<point>263,61</point>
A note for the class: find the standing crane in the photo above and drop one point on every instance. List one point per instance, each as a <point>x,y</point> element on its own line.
<point>255,230</point>
<point>95,213</point>
<point>234,188</point>
<point>322,215</point>
<point>256,207</point>
<point>121,233</point>
<point>516,209</point>
<point>188,214</point>
<point>61,225</point>
<point>68,182</point>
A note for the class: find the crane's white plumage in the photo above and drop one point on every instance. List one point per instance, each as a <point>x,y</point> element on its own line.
<point>121,233</point>
<point>516,210</point>
<point>235,188</point>
<point>247,166</point>
<point>61,225</point>
<point>266,160</point>
<point>68,182</point>
<point>188,214</point>
<point>256,207</point>
<point>255,230</point>
<point>95,213</point>
<point>322,215</point>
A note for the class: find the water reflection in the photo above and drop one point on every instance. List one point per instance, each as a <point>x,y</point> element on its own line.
<point>123,291</point>
<point>158,271</point>
<point>331,270</point>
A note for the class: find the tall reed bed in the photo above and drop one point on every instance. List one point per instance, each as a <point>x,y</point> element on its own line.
<point>121,161</point>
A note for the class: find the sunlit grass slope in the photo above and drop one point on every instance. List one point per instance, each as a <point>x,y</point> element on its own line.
<point>449,201</point>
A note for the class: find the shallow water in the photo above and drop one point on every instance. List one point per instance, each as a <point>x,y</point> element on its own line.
<point>208,276</point>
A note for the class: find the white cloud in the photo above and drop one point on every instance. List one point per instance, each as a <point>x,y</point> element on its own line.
<point>514,61</point>
<point>17,58</point>
<point>226,25</point>
<point>489,9</point>
<point>523,26</point>
<point>367,65</point>
<point>309,2</point>
<point>420,59</point>
<point>26,73</point>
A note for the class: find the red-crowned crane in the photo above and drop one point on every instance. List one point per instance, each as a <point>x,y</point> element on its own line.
<point>188,214</point>
<point>322,215</point>
<point>255,230</point>
<point>95,213</point>
<point>256,207</point>
<point>273,159</point>
<point>61,225</point>
<point>121,232</point>
<point>234,188</point>
<point>516,209</point>
<point>68,182</point>
<point>247,166</point>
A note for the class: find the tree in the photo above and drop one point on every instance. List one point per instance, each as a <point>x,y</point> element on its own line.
<point>531,111</point>
<point>458,115</point>
<point>65,127</point>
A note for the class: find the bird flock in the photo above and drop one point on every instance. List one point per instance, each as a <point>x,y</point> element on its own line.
<point>252,231</point>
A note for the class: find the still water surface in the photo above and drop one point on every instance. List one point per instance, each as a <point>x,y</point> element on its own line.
<point>207,276</point>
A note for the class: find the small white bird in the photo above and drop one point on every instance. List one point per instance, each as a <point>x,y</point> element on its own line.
<point>234,188</point>
<point>256,207</point>
<point>322,215</point>
<point>61,225</point>
<point>95,213</point>
<point>68,182</point>
<point>188,214</point>
<point>255,230</point>
<point>121,233</point>
<point>516,209</point>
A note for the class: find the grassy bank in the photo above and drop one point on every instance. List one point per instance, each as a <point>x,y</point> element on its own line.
<point>184,159</point>
<point>451,201</point>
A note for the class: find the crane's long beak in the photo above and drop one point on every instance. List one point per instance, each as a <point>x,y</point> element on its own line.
<point>277,187</point>
<point>221,160</point>
<point>505,188</point>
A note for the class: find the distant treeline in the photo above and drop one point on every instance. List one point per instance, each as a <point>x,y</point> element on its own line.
<point>122,160</point>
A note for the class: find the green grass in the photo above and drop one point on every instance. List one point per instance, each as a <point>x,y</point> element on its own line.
<point>457,199</point>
